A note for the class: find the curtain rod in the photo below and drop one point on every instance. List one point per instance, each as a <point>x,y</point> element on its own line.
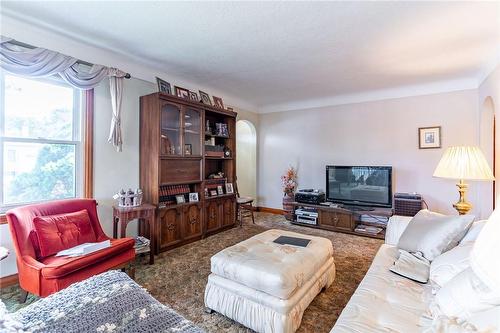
<point>28,46</point>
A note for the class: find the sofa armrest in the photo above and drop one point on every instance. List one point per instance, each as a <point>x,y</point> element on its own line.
<point>395,227</point>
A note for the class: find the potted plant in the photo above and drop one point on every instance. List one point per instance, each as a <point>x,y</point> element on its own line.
<point>289,185</point>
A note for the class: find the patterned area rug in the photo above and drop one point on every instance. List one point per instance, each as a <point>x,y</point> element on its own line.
<point>178,277</point>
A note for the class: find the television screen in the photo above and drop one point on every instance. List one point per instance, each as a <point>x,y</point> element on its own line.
<point>359,185</point>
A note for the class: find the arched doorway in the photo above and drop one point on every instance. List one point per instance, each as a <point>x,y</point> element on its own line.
<point>488,145</point>
<point>246,158</point>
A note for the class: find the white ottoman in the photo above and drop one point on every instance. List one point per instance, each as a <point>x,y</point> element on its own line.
<point>266,286</point>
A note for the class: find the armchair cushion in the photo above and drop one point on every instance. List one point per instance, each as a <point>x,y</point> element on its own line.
<point>57,267</point>
<point>63,231</point>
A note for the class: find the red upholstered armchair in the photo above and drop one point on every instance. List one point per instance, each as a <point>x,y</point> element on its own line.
<point>44,275</point>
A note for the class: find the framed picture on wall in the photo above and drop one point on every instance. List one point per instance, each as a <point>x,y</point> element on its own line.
<point>429,137</point>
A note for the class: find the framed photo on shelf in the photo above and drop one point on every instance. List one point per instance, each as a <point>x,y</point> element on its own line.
<point>218,102</point>
<point>180,199</point>
<point>205,98</point>
<point>181,92</point>
<point>193,197</point>
<point>188,149</point>
<point>193,96</point>
<point>229,188</point>
<point>206,192</point>
<point>213,193</point>
<point>163,86</point>
<point>429,137</point>
<point>220,191</point>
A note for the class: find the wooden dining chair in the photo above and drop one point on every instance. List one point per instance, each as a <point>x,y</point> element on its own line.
<point>244,206</point>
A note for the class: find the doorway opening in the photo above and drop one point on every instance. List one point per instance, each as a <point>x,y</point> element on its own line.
<point>246,158</point>
<point>487,141</point>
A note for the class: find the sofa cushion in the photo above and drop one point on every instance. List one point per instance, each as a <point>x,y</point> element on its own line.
<point>473,232</point>
<point>465,295</point>
<point>59,232</point>
<point>57,267</point>
<point>433,233</point>
<point>383,301</point>
<point>484,256</point>
<point>446,266</point>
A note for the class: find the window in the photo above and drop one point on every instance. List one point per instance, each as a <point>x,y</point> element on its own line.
<point>40,141</point>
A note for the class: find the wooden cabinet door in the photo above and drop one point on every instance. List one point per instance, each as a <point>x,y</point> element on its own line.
<point>192,221</point>
<point>228,211</point>
<point>327,219</point>
<point>170,227</point>
<point>212,215</point>
<point>344,221</point>
<point>336,220</point>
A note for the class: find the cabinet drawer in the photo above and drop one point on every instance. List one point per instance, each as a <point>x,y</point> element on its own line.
<point>177,170</point>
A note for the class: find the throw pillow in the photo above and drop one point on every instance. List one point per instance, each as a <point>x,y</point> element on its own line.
<point>465,295</point>
<point>59,232</point>
<point>484,256</point>
<point>449,264</point>
<point>473,232</point>
<point>432,233</point>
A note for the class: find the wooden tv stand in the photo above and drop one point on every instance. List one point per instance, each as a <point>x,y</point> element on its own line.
<point>342,219</point>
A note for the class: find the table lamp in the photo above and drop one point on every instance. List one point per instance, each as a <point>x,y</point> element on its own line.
<point>463,163</point>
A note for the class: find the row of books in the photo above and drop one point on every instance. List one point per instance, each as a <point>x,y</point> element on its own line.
<point>169,192</point>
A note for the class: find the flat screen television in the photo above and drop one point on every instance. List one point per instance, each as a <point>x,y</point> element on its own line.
<point>359,185</point>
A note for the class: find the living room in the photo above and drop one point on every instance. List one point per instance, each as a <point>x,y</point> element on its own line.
<point>282,89</point>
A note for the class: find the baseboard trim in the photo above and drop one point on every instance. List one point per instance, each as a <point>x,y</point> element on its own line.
<point>271,210</point>
<point>9,280</point>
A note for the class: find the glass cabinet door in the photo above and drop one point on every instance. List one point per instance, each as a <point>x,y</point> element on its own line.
<point>170,142</point>
<point>192,132</point>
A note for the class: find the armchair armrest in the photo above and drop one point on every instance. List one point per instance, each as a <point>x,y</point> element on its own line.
<point>29,273</point>
<point>395,227</point>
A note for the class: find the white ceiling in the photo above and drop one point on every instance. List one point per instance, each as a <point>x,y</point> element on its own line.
<point>275,54</point>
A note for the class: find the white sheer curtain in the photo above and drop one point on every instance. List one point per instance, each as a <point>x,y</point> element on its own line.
<point>40,62</point>
<point>115,133</point>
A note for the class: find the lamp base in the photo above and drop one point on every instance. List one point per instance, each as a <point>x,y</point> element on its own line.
<point>462,206</point>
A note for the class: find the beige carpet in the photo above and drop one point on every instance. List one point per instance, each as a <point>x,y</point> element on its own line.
<point>178,277</point>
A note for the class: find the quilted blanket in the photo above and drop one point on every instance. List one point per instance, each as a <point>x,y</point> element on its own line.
<point>108,302</point>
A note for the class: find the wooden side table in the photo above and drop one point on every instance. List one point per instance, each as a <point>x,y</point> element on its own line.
<point>144,212</point>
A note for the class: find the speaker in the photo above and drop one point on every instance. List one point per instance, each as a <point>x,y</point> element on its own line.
<point>407,204</point>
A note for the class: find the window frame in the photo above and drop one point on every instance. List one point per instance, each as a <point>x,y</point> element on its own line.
<point>78,113</point>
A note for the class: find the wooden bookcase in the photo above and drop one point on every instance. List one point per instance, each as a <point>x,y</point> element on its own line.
<point>173,161</point>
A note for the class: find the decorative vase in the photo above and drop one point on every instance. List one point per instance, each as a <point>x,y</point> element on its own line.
<point>288,199</point>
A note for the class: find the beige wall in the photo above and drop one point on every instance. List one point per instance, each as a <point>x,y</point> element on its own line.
<point>116,170</point>
<point>371,133</point>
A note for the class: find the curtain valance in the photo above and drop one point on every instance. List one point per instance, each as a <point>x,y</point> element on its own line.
<point>40,62</point>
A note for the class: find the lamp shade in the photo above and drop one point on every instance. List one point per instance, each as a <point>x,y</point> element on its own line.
<point>462,162</point>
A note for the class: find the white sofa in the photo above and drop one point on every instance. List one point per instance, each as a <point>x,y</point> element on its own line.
<point>386,302</point>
